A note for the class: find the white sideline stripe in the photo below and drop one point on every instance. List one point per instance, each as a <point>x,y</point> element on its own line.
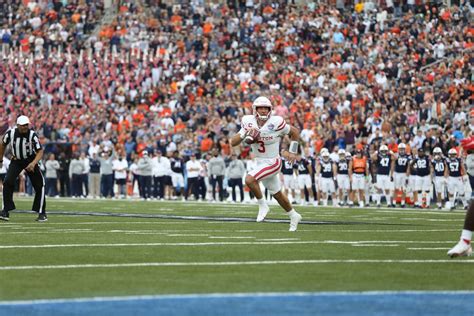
<point>225,263</point>
<point>375,245</point>
<point>224,243</point>
<point>228,295</point>
<point>232,237</point>
<point>436,248</point>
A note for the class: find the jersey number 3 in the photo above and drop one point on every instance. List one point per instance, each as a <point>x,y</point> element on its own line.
<point>261,146</point>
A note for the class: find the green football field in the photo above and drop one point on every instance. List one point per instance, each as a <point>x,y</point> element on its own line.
<point>92,248</point>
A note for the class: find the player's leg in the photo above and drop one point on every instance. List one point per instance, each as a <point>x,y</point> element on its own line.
<point>39,202</point>
<point>463,247</point>
<point>14,170</point>
<point>273,185</point>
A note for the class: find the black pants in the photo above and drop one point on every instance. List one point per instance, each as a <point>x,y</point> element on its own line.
<point>237,182</point>
<point>145,184</point>
<point>64,187</point>
<point>201,187</point>
<point>51,186</point>
<point>37,180</point>
<point>76,185</point>
<point>107,185</point>
<point>217,180</point>
<point>192,187</point>
<point>159,187</point>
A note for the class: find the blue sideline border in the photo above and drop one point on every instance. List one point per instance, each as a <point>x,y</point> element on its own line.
<point>322,303</point>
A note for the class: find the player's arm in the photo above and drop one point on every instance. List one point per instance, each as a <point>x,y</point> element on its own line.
<point>392,166</point>
<point>334,171</point>
<point>461,168</point>
<point>410,165</point>
<point>350,170</point>
<point>446,171</point>
<point>290,154</point>
<point>236,139</point>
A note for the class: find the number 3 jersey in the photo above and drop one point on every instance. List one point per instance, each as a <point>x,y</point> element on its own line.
<point>270,134</point>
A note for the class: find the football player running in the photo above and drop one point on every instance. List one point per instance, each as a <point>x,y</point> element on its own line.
<point>266,131</point>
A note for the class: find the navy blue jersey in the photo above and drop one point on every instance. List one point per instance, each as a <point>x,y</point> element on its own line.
<point>304,166</point>
<point>422,166</point>
<point>326,169</point>
<point>287,167</point>
<point>343,167</point>
<point>438,167</point>
<point>177,165</point>
<point>401,163</point>
<point>454,167</point>
<point>383,164</point>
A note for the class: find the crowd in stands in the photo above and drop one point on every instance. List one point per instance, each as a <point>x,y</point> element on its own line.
<point>179,77</point>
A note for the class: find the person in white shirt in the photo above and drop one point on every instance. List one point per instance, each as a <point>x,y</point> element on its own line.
<point>193,167</point>
<point>161,168</point>
<point>120,167</point>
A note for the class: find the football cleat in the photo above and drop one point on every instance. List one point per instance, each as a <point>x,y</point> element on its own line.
<point>294,220</point>
<point>4,216</point>
<point>262,213</point>
<point>460,250</point>
<point>42,218</point>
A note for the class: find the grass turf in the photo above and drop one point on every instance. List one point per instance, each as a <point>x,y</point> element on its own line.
<point>351,234</point>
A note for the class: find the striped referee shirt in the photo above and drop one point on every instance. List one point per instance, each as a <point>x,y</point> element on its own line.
<point>23,147</point>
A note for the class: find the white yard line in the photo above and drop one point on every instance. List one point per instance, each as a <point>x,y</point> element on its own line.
<point>222,243</point>
<point>225,263</point>
<point>436,248</point>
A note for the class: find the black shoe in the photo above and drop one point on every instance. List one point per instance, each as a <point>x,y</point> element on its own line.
<point>42,218</point>
<point>403,205</point>
<point>5,216</point>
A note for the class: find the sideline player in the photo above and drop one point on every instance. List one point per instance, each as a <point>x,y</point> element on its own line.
<point>343,183</point>
<point>400,170</point>
<point>383,161</point>
<point>438,170</point>
<point>266,147</point>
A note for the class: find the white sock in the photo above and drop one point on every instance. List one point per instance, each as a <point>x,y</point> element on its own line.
<point>378,197</point>
<point>389,199</point>
<point>292,213</point>
<point>420,199</point>
<point>428,199</point>
<point>262,202</point>
<point>402,202</point>
<point>466,234</point>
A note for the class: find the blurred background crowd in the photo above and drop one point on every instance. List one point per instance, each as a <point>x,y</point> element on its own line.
<point>149,76</point>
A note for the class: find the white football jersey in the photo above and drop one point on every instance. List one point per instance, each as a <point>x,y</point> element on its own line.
<point>270,134</point>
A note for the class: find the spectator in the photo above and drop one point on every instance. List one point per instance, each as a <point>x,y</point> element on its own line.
<point>51,175</point>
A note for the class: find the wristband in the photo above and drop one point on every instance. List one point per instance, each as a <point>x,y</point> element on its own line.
<point>293,147</point>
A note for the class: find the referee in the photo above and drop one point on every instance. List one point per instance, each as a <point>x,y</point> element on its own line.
<point>26,153</point>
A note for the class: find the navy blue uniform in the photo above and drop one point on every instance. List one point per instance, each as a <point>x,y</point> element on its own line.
<point>384,164</point>
<point>287,167</point>
<point>422,166</point>
<point>177,165</point>
<point>343,167</point>
<point>438,167</point>
<point>401,163</point>
<point>326,169</point>
<point>454,167</point>
<point>304,166</point>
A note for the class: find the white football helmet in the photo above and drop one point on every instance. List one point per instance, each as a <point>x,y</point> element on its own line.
<point>324,150</point>
<point>437,151</point>
<point>325,155</point>
<point>341,152</point>
<point>452,153</point>
<point>383,150</point>
<point>348,155</point>
<point>262,102</point>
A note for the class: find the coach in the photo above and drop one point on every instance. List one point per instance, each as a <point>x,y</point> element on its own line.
<point>26,152</point>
